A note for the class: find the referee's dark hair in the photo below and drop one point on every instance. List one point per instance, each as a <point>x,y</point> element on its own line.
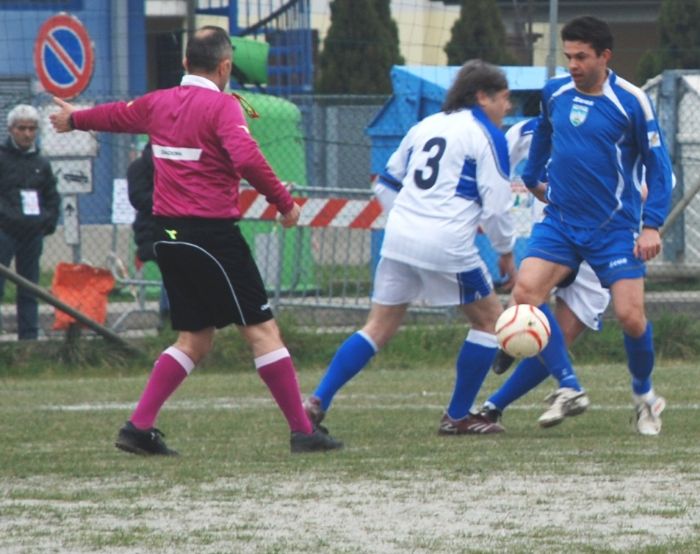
<point>474,76</point>
<point>590,30</point>
<point>208,46</point>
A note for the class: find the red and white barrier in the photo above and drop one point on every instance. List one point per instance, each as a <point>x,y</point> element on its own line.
<point>318,212</point>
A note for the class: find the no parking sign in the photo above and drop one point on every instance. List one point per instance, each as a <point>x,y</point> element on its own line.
<point>63,56</point>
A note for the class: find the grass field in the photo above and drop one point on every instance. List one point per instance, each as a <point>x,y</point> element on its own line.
<point>589,485</point>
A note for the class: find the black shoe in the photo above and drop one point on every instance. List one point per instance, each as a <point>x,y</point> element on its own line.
<point>312,407</point>
<point>492,415</point>
<point>318,441</point>
<point>473,424</point>
<point>502,362</point>
<point>148,442</point>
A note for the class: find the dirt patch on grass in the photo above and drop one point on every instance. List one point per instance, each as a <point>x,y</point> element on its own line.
<point>406,512</point>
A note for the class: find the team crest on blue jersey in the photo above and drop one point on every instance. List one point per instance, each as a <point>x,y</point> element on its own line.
<point>578,114</point>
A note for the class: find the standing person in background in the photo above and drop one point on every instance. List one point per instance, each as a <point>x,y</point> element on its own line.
<point>453,175</point>
<point>599,134</point>
<point>29,206</point>
<point>139,177</point>
<point>202,148</point>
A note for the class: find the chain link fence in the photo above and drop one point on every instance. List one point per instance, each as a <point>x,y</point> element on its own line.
<point>320,275</point>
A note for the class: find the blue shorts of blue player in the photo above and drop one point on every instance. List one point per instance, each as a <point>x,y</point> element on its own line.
<point>554,249</point>
<point>610,252</point>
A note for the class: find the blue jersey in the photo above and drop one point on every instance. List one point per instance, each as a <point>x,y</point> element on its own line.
<point>599,147</point>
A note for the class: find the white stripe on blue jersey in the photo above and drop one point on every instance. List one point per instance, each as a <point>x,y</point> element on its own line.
<point>599,146</point>
<point>453,174</point>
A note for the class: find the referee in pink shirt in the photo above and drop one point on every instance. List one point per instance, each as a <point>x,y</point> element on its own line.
<point>201,150</point>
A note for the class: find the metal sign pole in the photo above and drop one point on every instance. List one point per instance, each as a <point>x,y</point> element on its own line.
<point>553,37</point>
<point>71,224</point>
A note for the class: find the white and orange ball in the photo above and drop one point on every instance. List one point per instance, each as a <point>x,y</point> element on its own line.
<point>523,331</point>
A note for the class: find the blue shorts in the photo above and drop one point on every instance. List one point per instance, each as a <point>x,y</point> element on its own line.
<point>610,252</point>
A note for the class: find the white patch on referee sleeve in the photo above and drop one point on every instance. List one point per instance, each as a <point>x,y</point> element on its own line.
<point>271,357</point>
<point>180,357</point>
<point>179,153</point>
<point>482,338</point>
<point>369,340</point>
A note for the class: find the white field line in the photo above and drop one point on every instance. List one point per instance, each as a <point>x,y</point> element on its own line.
<point>347,402</point>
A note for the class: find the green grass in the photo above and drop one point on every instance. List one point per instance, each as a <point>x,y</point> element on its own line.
<point>589,485</point>
<point>414,347</point>
<point>343,279</point>
<point>672,285</point>
<point>10,296</point>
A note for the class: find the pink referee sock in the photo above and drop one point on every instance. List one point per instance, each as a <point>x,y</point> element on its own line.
<point>168,373</point>
<point>277,370</point>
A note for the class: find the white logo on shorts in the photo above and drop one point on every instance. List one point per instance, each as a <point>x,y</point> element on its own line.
<point>619,261</point>
<point>264,307</point>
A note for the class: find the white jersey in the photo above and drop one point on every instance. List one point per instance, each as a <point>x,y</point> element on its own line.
<point>452,173</point>
<point>519,138</point>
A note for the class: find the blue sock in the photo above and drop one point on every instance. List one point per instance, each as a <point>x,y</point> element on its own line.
<point>349,359</point>
<point>473,364</point>
<point>640,359</point>
<point>529,373</point>
<point>555,356</point>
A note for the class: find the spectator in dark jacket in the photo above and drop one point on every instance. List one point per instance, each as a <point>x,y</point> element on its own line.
<point>139,177</point>
<point>29,205</point>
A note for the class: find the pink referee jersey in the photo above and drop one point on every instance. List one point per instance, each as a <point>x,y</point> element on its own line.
<point>201,148</point>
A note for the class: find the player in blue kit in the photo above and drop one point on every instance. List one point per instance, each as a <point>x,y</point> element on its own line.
<point>578,305</point>
<point>600,136</point>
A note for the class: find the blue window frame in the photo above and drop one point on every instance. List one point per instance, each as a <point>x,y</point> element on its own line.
<point>52,5</point>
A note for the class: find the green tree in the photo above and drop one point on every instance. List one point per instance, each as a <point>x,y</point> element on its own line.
<point>360,48</point>
<point>478,33</point>
<point>383,8</point>
<point>679,44</point>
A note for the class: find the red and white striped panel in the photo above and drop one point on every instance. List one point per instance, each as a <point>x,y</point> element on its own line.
<point>318,212</point>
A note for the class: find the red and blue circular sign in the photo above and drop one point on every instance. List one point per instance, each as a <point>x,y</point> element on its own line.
<point>63,56</point>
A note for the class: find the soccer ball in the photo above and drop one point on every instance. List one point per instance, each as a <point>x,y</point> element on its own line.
<point>523,331</point>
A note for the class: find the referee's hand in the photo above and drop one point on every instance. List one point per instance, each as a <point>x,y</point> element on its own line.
<point>61,120</point>
<point>291,217</point>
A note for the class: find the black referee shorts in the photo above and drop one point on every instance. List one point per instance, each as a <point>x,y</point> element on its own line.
<point>209,274</point>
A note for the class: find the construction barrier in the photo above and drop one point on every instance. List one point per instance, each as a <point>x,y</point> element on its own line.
<point>318,212</point>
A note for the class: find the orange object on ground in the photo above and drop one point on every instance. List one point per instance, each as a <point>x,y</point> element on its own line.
<point>84,288</point>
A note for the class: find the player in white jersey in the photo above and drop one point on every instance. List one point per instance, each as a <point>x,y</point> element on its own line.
<point>453,172</point>
<point>579,305</point>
